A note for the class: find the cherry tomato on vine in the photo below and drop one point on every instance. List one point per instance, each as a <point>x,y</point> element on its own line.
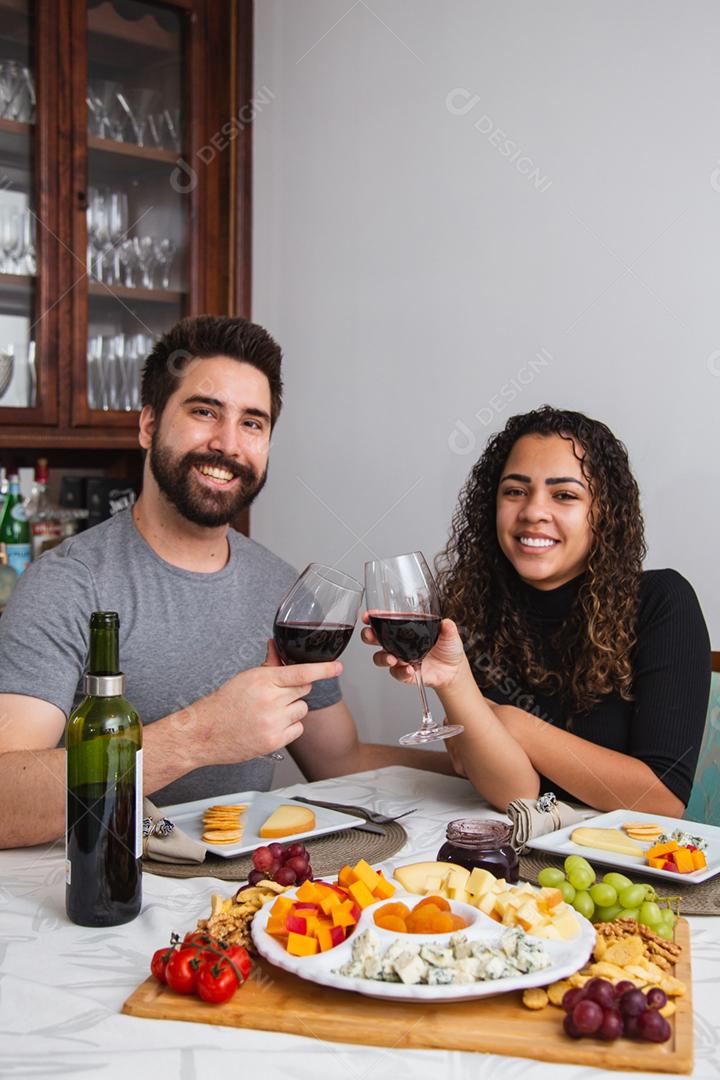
<point>241,959</point>
<point>216,982</point>
<point>159,963</point>
<point>181,973</point>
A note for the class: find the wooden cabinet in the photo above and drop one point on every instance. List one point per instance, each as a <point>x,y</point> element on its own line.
<point>124,204</point>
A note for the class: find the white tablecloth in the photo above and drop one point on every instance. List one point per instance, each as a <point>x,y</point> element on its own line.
<point>62,986</point>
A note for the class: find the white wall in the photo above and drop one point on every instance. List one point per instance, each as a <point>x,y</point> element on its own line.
<point>420,271</point>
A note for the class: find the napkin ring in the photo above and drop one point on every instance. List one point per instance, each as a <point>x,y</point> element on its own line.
<point>547,804</point>
<point>161,828</point>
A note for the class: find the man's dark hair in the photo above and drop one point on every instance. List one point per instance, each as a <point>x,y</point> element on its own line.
<point>203,336</point>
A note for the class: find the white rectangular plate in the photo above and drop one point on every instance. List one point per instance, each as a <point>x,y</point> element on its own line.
<point>559,843</point>
<point>188,817</point>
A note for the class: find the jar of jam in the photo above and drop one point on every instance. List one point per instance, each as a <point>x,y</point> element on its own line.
<point>475,842</point>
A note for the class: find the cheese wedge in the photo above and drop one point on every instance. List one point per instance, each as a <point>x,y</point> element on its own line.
<point>287,820</point>
<point>607,840</point>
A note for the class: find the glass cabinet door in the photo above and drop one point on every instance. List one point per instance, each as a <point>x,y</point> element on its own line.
<point>136,215</point>
<point>27,320</point>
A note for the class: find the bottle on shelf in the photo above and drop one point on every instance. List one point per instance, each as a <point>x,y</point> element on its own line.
<point>8,578</point>
<point>14,529</point>
<point>46,527</point>
<point>103,744</point>
<point>4,488</point>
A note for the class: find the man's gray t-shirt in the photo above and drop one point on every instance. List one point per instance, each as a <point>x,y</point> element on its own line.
<point>182,633</point>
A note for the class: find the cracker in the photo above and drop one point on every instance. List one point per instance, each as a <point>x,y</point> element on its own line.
<point>534,998</point>
<point>556,991</point>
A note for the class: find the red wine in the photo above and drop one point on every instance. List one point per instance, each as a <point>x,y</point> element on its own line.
<point>407,635</point>
<point>106,874</point>
<point>310,643</point>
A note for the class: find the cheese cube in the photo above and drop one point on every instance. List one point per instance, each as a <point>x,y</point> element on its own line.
<point>361,894</point>
<point>300,945</point>
<point>365,873</point>
<point>480,881</point>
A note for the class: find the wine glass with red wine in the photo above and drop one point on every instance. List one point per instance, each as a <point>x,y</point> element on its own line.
<point>317,616</point>
<point>404,610</point>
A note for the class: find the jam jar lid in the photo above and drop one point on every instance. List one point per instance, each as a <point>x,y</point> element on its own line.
<point>478,833</point>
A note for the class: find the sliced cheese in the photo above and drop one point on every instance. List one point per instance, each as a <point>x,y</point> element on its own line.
<point>286,821</point>
<point>412,877</point>
<point>607,840</point>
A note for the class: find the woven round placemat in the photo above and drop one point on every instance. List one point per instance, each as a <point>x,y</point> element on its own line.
<point>702,899</point>
<point>328,854</point>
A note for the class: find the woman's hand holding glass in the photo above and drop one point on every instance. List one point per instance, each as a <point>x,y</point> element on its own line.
<point>441,667</point>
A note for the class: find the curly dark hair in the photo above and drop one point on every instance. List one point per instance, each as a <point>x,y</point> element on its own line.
<point>478,583</point>
<point>203,336</point>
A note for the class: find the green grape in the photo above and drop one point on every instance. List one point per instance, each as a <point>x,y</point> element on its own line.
<point>667,915</point>
<point>578,860</point>
<point>664,930</point>
<point>551,877</point>
<point>629,913</point>
<point>580,878</point>
<point>606,914</point>
<point>650,893</point>
<point>568,891</point>
<point>649,914</point>
<point>583,903</point>
<point>603,895</point>
<point>632,897</point>
<point>618,881</point>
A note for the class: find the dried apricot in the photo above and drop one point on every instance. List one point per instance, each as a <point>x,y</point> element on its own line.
<point>439,902</point>
<point>390,922</point>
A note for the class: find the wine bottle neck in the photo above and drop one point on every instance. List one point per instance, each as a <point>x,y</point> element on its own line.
<point>104,654</point>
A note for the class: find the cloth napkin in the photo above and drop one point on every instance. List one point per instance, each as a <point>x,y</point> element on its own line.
<point>164,841</point>
<point>536,817</point>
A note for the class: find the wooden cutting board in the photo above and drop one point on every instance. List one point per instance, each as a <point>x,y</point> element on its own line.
<point>274,1000</point>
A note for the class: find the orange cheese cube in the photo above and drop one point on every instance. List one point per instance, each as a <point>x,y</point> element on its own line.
<point>684,860</point>
<point>281,908</point>
<point>365,873</point>
<point>313,924</point>
<point>346,876</point>
<point>384,888</point>
<point>342,916</point>
<point>361,894</point>
<point>329,901</point>
<point>699,860</point>
<point>324,938</point>
<point>301,945</point>
<point>662,849</point>
<point>276,926</point>
<point>657,863</point>
<point>308,893</point>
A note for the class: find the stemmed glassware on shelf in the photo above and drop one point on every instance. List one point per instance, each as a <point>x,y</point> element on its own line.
<point>114,257</point>
<point>18,254</point>
<point>130,114</point>
<point>115,363</point>
<point>17,92</point>
<point>404,610</point>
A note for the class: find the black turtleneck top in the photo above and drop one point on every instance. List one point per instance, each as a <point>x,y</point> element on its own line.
<point>663,724</point>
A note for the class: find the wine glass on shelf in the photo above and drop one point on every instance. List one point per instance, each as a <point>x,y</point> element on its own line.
<point>316,617</point>
<point>404,610</point>
<point>136,103</point>
<point>164,252</point>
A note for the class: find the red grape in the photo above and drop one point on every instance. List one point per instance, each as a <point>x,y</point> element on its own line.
<point>630,1026</point>
<point>587,1016</point>
<point>298,864</point>
<point>309,872</point>
<point>276,850</point>
<point>633,1002</point>
<point>622,986</point>
<point>274,867</point>
<point>570,1028</point>
<point>262,858</point>
<point>285,876</point>
<point>295,850</point>
<point>601,991</point>
<point>256,876</point>
<point>611,1027</point>
<point>652,1026</point>
<point>571,998</point>
<point>656,998</point>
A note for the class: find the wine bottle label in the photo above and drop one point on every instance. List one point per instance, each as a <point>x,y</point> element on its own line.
<point>138,803</point>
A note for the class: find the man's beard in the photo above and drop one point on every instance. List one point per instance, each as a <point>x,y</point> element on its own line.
<point>202,505</point>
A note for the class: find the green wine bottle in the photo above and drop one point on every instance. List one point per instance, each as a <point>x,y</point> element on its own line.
<point>103,743</point>
<point>15,530</point>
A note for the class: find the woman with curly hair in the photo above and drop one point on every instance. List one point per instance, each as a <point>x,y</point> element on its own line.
<point>570,668</point>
